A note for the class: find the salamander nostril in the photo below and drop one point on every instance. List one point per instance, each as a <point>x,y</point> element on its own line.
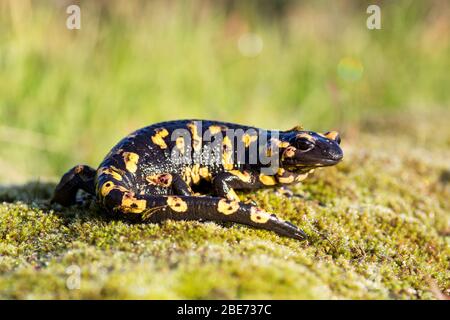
<point>334,154</point>
<point>337,155</point>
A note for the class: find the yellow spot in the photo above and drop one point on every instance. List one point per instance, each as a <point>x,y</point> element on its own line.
<point>258,215</point>
<point>227,155</point>
<point>195,175</point>
<point>267,180</point>
<point>301,177</point>
<point>305,136</point>
<point>243,176</point>
<point>285,176</point>
<point>196,139</point>
<point>131,159</point>
<point>289,152</point>
<point>227,207</point>
<point>112,171</point>
<point>204,173</point>
<point>78,169</point>
<point>332,135</point>
<point>248,139</point>
<point>228,166</point>
<point>286,179</point>
<point>180,144</point>
<point>162,179</point>
<point>296,128</point>
<point>231,195</point>
<point>177,204</point>
<point>159,136</point>
<point>187,175</point>
<point>132,205</point>
<point>106,188</point>
<point>227,142</point>
<point>214,129</point>
<point>278,143</point>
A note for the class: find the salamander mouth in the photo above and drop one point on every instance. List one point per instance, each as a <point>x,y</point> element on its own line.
<point>329,162</point>
<point>304,167</point>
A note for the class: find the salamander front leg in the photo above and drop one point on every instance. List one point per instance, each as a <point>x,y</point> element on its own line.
<point>225,183</point>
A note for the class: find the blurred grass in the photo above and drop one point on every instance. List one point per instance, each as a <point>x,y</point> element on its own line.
<point>68,96</point>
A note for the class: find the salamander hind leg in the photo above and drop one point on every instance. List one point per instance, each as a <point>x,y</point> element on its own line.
<point>79,177</point>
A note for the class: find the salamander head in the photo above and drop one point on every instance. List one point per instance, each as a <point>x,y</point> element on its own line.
<point>309,150</point>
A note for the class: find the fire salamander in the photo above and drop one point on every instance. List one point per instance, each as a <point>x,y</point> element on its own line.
<point>157,172</point>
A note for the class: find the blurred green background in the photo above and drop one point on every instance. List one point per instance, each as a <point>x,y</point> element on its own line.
<point>67,96</point>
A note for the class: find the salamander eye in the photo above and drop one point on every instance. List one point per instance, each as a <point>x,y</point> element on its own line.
<point>304,144</point>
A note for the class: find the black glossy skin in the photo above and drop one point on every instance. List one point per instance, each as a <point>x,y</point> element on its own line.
<point>144,179</point>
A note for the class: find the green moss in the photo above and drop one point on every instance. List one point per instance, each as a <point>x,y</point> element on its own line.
<point>378,226</point>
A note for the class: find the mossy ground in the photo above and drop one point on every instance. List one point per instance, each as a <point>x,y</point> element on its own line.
<point>378,226</point>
